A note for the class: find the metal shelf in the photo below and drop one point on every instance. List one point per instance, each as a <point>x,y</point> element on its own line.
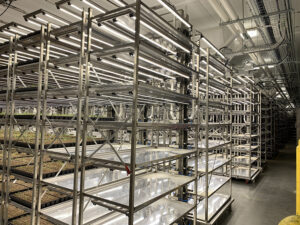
<point>215,203</point>
<point>215,183</point>
<point>163,211</point>
<point>215,161</point>
<point>148,188</point>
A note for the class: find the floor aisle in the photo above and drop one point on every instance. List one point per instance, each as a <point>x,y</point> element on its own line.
<point>271,198</point>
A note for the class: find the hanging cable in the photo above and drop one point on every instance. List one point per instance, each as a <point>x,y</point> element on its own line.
<point>6,8</point>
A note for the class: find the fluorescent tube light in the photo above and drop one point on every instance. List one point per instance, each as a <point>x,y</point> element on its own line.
<point>70,13</point>
<point>161,66</point>
<point>213,47</point>
<point>174,13</point>
<point>93,6</point>
<point>59,20</point>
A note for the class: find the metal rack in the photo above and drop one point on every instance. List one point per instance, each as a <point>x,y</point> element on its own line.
<point>86,68</point>
<point>246,131</point>
<point>267,129</point>
<point>214,164</point>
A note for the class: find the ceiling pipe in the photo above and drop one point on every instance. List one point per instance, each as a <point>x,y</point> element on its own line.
<point>257,58</point>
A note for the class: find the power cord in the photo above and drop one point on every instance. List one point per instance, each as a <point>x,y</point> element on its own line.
<point>6,8</point>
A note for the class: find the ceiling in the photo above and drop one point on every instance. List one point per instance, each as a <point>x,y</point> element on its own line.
<point>206,20</point>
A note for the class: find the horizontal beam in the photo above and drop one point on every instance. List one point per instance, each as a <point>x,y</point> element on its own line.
<point>255,17</point>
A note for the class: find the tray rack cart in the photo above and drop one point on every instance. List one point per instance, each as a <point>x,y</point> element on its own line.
<point>246,130</point>
<point>101,76</point>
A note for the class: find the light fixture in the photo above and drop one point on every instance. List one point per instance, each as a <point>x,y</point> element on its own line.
<point>242,79</point>
<point>62,49</point>
<point>8,33</point>
<point>97,73</point>
<point>59,20</point>
<point>69,42</point>
<point>249,90</point>
<point>24,28</point>
<point>46,22</point>
<point>163,67</point>
<point>252,81</point>
<point>24,57</point>
<point>235,80</point>
<point>118,2</point>
<point>235,91</point>
<point>108,71</point>
<point>76,7</point>
<point>175,13</point>
<point>70,13</point>
<point>93,6</point>
<point>25,53</point>
<point>213,47</point>
<point>242,91</point>
<point>77,39</point>
<point>252,33</point>
<point>103,42</point>
<point>3,39</point>
<point>163,36</point>
<point>143,36</point>
<point>145,68</point>
<point>116,33</point>
<point>214,68</point>
<point>129,69</point>
<point>17,31</point>
<point>34,23</point>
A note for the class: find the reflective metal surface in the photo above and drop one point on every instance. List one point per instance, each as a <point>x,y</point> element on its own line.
<point>215,182</point>
<point>63,212</point>
<point>163,211</point>
<point>243,159</point>
<point>148,155</point>
<point>243,172</point>
<point>93,178</point>
<point>215,202</point>
<point>214,161</point>
<point>92,148</point>
<point>147,187</point>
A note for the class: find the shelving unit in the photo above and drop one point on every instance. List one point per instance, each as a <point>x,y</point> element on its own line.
<point>214,164</point>
<point>122,119</point>
<point>246,131</point>
<point>267,130</point>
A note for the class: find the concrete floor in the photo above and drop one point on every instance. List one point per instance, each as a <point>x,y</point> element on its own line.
<point>271,198</point>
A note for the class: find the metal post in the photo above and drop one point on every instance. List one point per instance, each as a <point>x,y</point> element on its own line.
<point>37,127</point>
<point>85,115</point>
<point>78,122</point>
<point>197,121</point>
<point>250,131</point>
<point>5,146</point>
<point>206,136</point>
<point>259,127</point>
<point>230,146</point>
<point>43,128</point>
<point>134,113</point>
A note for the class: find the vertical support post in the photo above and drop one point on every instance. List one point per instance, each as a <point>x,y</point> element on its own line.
<point>43,127</point>
<point>4,204</point>
<point>231,131</point>
<point>78,122</point>
<point>206,135</point>
<point>134,112</point>
<point>85,115</point>
<point>197,121</point>
<point>259,128</point>
<point>298,179</point>
<point>250,131</point>
<point>38,128</point>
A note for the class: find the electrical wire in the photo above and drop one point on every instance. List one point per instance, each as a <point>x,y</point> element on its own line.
<point>6,8</point>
